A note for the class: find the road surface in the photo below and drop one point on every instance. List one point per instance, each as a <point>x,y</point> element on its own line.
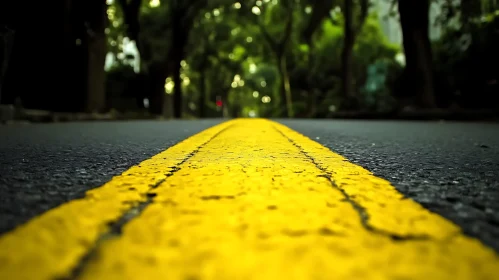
<point>261,194</point>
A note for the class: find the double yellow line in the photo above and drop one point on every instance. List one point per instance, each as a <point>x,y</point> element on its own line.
<point>247,199</point>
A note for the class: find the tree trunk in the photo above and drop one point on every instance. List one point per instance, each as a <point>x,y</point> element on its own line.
<point>96,78</point>
<point>7,40</point>
<point>225,103</point>
<point>311,94</point>
<point>349,97</point>
<point>285,87</point>
<point>74,66</point>
<point>177,90</point>
<point>414,19</point>
<point>155,85</point>
<point>279,48</point>
<point>176,54</point>
<point>97,50</point>
<point>156,93</point>
<point>202,94</point>
<point>311,103</point>
<point>27,74</point>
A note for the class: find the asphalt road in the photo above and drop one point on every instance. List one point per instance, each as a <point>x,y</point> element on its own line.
<point>44,165</point>
<point>450,168</point>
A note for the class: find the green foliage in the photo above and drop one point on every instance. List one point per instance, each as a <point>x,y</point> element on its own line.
<point>375,67</point>
<point>228,40</point>
<point>115,31</point>
<point>328,46</point>
<point>467,13</point>
<point>466,65</point>
<point>372,44</point>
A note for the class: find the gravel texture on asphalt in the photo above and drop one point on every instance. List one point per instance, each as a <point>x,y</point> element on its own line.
<point>45,165</point>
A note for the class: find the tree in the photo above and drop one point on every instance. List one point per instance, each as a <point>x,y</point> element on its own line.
<point>418,73</point>
<point>7,37</point>
<point>73,47</point>
<point>146,27</point>
<point>350,33</point>
<point>466,54</point>
<point>279,46</point>
<point>320,10</point>
<point>206,49</point>
<point>131,14</point>
<point>96,47</point>
<point>163,48</point>
<point>182,16</point>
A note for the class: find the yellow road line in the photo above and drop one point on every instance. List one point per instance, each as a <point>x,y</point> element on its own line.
<point>52,244</point>
<point>259,201</point>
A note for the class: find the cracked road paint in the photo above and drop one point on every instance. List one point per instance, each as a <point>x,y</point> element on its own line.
<point>52,245</point>
<point>248,199</point>
<point>264,202</point>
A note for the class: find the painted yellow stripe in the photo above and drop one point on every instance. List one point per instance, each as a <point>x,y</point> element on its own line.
<point>258,201</point>
<point>52,244</point>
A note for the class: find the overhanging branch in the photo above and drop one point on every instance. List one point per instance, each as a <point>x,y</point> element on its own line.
<point>320,10</point>
<point>364,10</point>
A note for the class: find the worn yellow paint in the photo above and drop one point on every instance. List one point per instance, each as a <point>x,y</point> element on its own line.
<point>247,199</point>
<point>52,244</point>
<point>261,201</point>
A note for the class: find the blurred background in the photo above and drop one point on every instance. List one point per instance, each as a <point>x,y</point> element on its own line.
<point>263,58</point>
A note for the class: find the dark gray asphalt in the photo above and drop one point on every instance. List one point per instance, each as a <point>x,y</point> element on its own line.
<point>450,168</point>
<point>45,165</point>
